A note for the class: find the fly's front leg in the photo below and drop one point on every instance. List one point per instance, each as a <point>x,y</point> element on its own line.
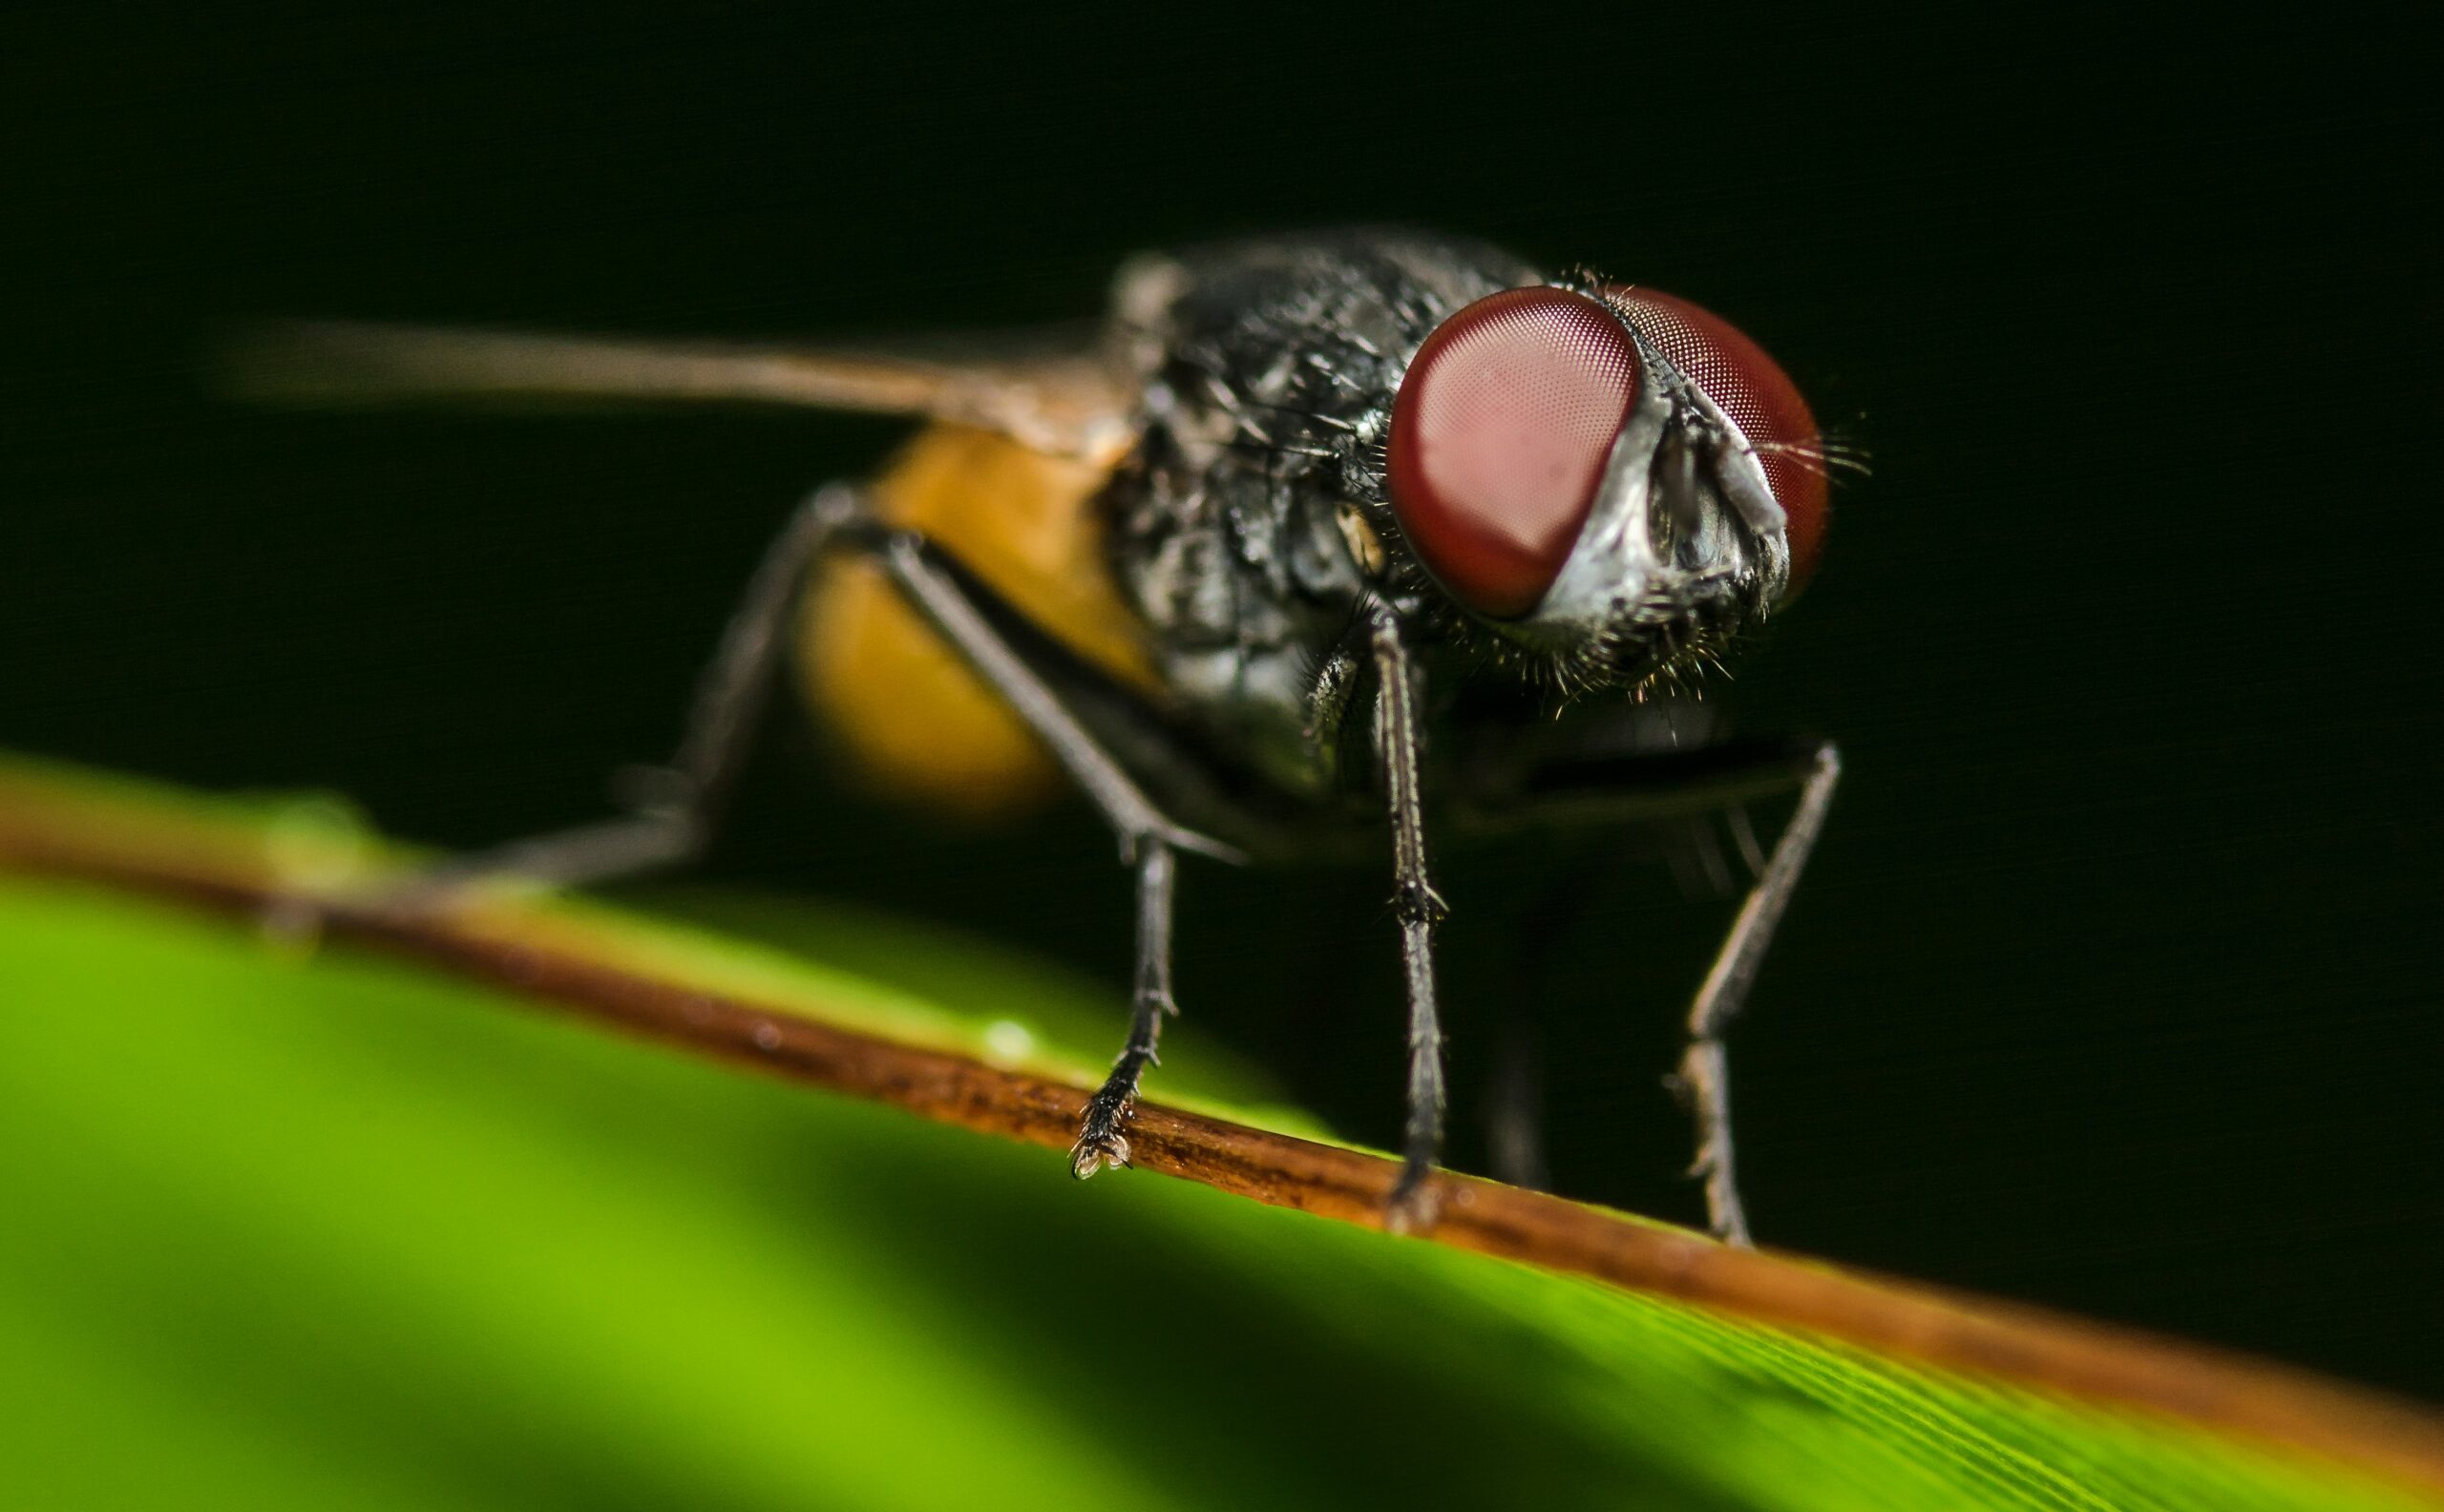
<point>1600,789</point>
<point>1399,742</point>
<point>1704,1077</point>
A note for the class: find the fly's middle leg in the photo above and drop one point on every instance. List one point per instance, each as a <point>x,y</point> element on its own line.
<point>1048,692</point>
<point>1102,1140</point>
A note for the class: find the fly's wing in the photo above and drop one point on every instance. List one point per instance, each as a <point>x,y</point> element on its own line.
<point>1057,394</point>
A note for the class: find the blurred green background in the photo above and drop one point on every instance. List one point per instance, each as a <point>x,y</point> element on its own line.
<point>334,1232</point>
<point>2115,985</point>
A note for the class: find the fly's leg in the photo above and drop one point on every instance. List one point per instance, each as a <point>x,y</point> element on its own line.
<point>1672,787</point>
<point>677,804</point>
<point>980,626</point>
<point>977,623</point>
<point>1514,1124</point>
<point>1399,742</point>
<point>1514,1105</point>
<point>1704,1077</point>
<point>1046,689</point>
<point>1102,1137</point>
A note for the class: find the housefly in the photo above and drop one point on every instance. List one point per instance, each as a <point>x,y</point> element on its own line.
<point>1318,541</point>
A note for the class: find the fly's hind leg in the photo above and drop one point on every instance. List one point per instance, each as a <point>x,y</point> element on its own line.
<point>1051,690</point>
<point>675,805</point>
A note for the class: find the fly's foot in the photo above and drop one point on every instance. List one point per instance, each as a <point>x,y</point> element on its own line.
<point>420,894</point>
<point>1416,1202</point>
<point>1723,1212</point>
<point>293,923</point>
<point>317,849</point>
<point>1100,1139</point>
<point>1700,1084</point>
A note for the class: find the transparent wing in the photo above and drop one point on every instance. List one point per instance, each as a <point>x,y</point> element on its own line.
<point>1055,392</point>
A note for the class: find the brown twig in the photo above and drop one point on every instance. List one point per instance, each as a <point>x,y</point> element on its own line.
<point>66,826</point>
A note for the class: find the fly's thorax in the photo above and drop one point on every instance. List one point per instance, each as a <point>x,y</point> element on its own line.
<point>1243,582</point>
<point>1245,528</point>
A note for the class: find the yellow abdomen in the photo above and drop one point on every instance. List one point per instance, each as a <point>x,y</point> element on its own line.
<point>919,724</point>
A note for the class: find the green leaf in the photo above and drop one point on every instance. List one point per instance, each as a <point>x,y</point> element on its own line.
<point>341,1230</point>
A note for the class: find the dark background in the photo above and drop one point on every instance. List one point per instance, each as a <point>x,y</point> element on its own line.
<point>2116,982</point>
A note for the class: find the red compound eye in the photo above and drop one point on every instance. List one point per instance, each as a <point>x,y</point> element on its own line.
<point>1760,398</point>
<point>1499,438</point>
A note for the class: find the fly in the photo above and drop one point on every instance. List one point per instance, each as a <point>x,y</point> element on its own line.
<point>1225,563</point>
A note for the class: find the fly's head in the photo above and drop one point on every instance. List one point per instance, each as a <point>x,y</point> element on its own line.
<point>1613,481</point>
